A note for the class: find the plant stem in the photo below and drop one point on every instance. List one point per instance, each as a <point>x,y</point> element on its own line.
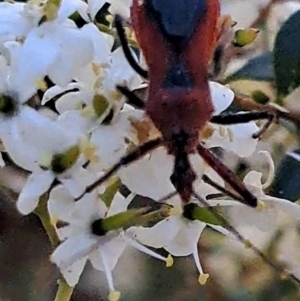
<point>64,291</point>
<point>43,214</point>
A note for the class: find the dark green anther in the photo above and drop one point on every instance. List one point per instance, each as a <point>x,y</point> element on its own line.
<point>61,162</point>
<point>7,105</point>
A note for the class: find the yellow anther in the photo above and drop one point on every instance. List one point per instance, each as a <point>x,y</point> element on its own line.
<point>96,68</point>
<point>176,211</point>
<point>203,279</point>
<point>88,112</point>
<point>248,244</point>
<point>109,19</point>
<point>45,159</point>
<point>207,132</point>
<point>41,84</point>
<point>89,150</point>
<point>261,205</point>
<point>114,296</point>
<point>169,261</point>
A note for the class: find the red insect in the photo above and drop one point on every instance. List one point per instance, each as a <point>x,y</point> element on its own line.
<point>178,39</point>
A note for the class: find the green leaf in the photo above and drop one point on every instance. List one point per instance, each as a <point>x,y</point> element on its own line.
<point>287,179</point>
<point>287,56</point>
<point>259,68</point>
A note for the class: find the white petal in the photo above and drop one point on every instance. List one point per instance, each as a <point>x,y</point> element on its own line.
<point>150,175</point>
<point>72,254</point>
<point>74,271</point>
<point>68,63</point>
<point>2,163</point>
<point>75,180</point>
<point>13,25</point>
<point>102,43</point>
<point>74,120</point>
<point>186,239</point>
<point>26,70</point>
<point>56,90</point>
<point>284,205</point>
<point>222,97</point>
<point>120,73</point>
<point>204,189</point>
<point>253,182</point>
<point>109,144</point>
<point>159,235</point>
<point>69,7</point>
<point>14,145</point>
<point>263,219</point>
<point>60,204</point>
<point>95,6</point>
<point>121,7</point>
<point>88,209</point>
<point>72,101</point>
<point>36,185</point>
<point>235,138</point>
<point>73,249</point>
<point>119,203</point>
<point>112,250</point>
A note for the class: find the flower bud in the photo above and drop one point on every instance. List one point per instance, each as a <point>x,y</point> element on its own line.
<point>245,37</point>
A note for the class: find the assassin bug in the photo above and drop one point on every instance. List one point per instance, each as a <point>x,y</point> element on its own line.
<point>177,40</point>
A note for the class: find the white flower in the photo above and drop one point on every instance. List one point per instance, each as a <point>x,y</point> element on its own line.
<point>54,49</point>
<point>13,24</point>
<point>265,215</point>
<point>95,6</point>
<point>235,138</point>
<point>34,142</point>
<point>80,243</point>
<point>121,7</point>
<point>177,235</point>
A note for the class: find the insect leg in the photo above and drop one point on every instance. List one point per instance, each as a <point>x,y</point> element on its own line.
<point>244,117</point>
<point>223,190</point>
<point>126,49</point>
<point>129,158</point>
<point>132,99</point>
<point>227,175</point>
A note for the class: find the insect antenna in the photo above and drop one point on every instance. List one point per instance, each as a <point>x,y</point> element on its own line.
<point>127,159</point>
<point>245,241</point>
<point>227,175</point>
<point>126,48</point>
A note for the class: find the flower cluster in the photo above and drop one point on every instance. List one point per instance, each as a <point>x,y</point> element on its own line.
<point>63,121</point>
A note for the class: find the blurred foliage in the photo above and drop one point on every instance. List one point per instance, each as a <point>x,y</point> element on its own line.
<point>287,180</point>
<point>287,56</point>
<point>259,68</point>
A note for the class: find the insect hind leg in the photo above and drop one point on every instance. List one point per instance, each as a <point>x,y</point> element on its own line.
<point>224,172</point>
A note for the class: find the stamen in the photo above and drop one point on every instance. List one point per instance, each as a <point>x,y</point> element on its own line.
<point>271,174</point>
<point>203,276</point>
<point>169,260</point>
<point>113,294</point>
